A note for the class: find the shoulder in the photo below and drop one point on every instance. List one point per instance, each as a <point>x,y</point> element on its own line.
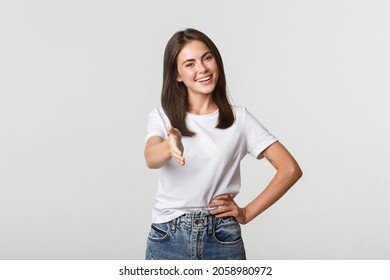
<point>157,117</point>
<point>157,112</point>
<point>245,118</point>
<point>240,112</point>
<point>157,123</point>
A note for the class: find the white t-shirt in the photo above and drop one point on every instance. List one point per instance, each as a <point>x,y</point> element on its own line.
<point>212,160</point>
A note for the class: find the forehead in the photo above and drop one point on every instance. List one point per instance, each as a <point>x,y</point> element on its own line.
<point>192,50</point>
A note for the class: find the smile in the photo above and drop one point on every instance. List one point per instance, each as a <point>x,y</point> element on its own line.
<point>204,79</point>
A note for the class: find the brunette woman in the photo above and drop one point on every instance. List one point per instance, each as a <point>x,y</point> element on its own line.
<point>197,140</point>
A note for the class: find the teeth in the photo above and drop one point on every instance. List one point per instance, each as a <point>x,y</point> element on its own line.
<point>204,79</point>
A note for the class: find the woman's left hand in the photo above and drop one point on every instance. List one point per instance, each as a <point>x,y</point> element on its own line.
<point>227,207</point>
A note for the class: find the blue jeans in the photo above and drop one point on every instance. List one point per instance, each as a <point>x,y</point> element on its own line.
<point>196,236</point>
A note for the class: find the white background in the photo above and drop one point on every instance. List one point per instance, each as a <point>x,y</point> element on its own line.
<point>78,79</point>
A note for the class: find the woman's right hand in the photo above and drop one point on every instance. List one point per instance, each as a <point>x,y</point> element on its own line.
<point>176,146</point>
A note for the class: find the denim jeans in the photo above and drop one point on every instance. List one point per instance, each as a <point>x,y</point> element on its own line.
<point>196,236</point>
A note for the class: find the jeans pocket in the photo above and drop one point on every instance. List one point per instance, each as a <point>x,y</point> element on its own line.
<point>159,232</point>
<point>227,231</point>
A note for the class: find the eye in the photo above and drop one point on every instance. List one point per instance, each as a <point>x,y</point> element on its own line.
<point>191,64</point>
<point>208,57</point>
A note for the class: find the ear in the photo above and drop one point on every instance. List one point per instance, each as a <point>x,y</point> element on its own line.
<point>178,79</point>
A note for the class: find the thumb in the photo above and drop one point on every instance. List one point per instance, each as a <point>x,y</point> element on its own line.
<point>174,131</point>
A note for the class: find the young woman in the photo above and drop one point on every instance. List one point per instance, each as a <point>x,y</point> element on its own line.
<point>197,140</point>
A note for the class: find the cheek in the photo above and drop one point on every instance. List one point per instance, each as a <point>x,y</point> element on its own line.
<point>214,67</point>
<point>181,75</point>
<point>216,72</point>
<point>188,75</point>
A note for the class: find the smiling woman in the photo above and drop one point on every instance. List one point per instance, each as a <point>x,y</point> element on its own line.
<point>197,140</point>
<point>198,70</point>
<point>175,94</point>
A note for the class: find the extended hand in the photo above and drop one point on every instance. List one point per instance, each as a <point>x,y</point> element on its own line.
<point>176,146</point>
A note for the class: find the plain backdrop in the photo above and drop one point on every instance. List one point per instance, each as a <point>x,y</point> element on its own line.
<point>78,79</point>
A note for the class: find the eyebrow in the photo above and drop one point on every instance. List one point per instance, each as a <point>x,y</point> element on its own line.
<point>192,59</point>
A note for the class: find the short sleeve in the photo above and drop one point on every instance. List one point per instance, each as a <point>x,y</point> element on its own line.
<point>257,136</point>
<point>157,124</point>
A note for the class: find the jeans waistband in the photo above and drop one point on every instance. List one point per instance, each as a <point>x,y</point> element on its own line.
<point>194,220</point>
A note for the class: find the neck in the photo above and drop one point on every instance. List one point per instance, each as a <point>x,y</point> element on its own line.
<point>201,105</point>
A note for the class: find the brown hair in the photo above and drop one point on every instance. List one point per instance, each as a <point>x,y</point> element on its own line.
<point>174,95</point>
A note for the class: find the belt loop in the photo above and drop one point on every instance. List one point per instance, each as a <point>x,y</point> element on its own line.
<point>210,224</point>
<point>172,225</point>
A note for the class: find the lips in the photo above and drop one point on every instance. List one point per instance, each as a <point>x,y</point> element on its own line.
<point>204,79</point>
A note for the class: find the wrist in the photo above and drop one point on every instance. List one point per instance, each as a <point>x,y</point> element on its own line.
<point>243,216</point>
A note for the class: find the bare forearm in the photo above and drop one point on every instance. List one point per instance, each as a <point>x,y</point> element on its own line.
<point>287,173</point>
<point>159,151</point>
<point>279,185</point>
<point>157,155</point>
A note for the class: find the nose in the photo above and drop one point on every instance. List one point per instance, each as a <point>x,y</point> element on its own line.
<point>202,68</point>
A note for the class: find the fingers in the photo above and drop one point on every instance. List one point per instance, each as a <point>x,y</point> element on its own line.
<point>176,146</point>
<point>177,154</point>
<point>222,197</point>
<point>179,157</point>
<point>221,200</point>
<point>176,151</point>
<point>174,131</point>
<point>224,206</point>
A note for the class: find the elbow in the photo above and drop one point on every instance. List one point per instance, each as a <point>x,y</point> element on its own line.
<point>296,172</point>
<point>291,172</point>
<point>150,164</point>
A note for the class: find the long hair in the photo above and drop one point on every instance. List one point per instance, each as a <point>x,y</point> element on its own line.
<point>174,94</point>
